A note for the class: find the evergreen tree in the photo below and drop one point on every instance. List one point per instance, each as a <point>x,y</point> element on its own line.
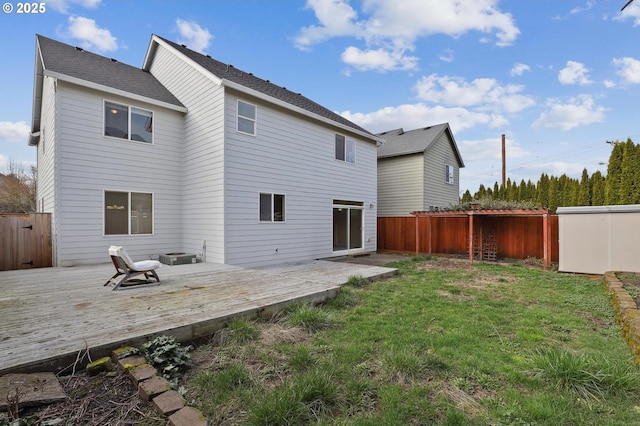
<point>584,190</point>
<point>466,197</point>
<point>597,189</point>
<point>542,190</point>
<point>614,175</point>
<point>627,190</point>
<point>554,194</point>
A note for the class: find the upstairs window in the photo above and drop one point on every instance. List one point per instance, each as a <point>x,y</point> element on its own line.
<point>345,149</point>
<point>128,213</point>
<point>449,174</point>
<point>130,123</point>
<point>246,118</point>
<point>271,207</point>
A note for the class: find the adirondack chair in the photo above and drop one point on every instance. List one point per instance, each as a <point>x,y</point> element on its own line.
<point>127,267</point>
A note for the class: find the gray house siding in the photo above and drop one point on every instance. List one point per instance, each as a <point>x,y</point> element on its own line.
<point>203,162</point>
<point>437,192</point>
<point>294,156</point>
<point>45,198</point>
<point>89,163</point>
<point>400,185</point>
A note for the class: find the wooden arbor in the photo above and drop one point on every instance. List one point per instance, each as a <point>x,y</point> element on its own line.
<point>479,238</point>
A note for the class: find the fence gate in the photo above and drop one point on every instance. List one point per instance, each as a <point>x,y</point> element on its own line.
<point>25,241</point>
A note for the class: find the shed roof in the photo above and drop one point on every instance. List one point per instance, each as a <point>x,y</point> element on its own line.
<point>228,72</point>
<point>398,142</point>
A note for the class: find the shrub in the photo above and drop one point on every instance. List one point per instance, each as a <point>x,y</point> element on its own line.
<point>167,356</point>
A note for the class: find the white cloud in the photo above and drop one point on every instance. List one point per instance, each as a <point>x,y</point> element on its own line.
<point>395,26</point>
<point>378,59</point>
<point>574,73</point>
<point>447,55</point>
<point>413,116</point>
<point>628,69</point>
<point>91,36</point>
<point>578,111</point>
<point>483,93</point>
<point>193,35</point>
<point>519,69</point>
<point>14,131</point>
<point>630,12</point>
<point>63,6</point>
<point>490,149</point>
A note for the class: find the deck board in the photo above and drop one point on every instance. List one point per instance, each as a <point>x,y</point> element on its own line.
<point>49,316</point>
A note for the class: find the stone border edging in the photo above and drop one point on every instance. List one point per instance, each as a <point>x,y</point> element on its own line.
<point>156,389</point>
<point>626,311</point>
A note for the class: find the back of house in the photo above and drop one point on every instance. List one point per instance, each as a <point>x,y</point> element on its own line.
<point>196,156</point>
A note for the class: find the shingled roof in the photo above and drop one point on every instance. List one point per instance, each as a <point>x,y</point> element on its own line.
<point>398,142</point>
<point>65,60</point>
<point>228,72</point>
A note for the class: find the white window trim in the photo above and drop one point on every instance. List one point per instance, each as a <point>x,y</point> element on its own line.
<point>450,178</point>
<point>352,205</point>
<point>272,194</point>
<point>129,234</point>
<point>347,141</point>
<point>254,120</point>
<point>129,106</point>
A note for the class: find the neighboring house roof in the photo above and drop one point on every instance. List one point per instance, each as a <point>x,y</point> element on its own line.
<point>398,142</point>
<point>242,80</point>
<point>78,66</point>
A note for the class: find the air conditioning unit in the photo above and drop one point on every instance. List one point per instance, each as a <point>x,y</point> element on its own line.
<point>177,258</point>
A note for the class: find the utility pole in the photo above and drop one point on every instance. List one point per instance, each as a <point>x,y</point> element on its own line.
<point>504,163</point>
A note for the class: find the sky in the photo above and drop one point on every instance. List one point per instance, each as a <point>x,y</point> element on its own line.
<point>559,78</point>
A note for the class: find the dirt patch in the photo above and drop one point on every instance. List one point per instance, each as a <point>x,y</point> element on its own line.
<point>445,264</point>
<point>108,398</point>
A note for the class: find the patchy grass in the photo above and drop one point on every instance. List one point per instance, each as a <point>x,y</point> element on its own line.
<point>446,342</point>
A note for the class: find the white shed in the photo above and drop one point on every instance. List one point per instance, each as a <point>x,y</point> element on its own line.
<point>597,239</point>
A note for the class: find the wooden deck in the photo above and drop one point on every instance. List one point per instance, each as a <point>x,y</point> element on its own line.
<point>50,316</point>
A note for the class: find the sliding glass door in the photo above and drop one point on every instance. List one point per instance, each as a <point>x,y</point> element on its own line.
<point>347,225</point>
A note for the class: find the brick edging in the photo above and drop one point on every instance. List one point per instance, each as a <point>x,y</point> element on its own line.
<point>626,312</point>
<point>156,389</point>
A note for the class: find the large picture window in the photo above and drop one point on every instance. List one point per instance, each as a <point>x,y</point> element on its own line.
<point>125,122</point>
<point>246,118</point>
<point>271,207</point>
<point>345,149</point>
<point>128,213</point>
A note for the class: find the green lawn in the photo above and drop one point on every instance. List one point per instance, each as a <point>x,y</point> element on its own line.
<point>445,342</point>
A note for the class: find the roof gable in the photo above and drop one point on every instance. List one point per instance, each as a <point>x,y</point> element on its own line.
<point>228,73</point>
<point>81,66</point>
<point>398,142</point>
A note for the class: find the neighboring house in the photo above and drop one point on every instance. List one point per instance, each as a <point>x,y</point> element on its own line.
<point>192,155</point>
<point>418,170</point>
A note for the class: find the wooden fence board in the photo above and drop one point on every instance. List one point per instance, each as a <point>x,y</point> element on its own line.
<point>518,237</point>
<point>25,241</point>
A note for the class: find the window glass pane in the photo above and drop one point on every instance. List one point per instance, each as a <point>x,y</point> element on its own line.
<point>355,228</point>
<point>265,207</point>
<point>116,120</point>
<point>116,213</point>
<point>141,125</point>
<point>340,224</point>
<point>246,126</point>
<point>278,208</point>
<point>246,110</point>
<point>339,147</point>
<point>351,151</point>
<point>449,176</point>
<point>141,213</point>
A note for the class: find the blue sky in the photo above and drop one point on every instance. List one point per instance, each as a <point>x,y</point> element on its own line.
<point>558,78</point>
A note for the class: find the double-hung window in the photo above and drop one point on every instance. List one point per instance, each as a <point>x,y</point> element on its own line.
<point>271,207</point>
<point>128,213</point>
<point>345,149</point>
<point>246,118</point>
<point>128,122</point>
<point>449,174</point>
